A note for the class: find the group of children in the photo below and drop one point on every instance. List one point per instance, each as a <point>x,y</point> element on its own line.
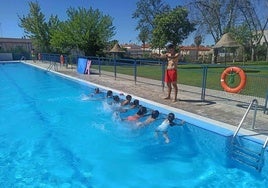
<point>120,106</point>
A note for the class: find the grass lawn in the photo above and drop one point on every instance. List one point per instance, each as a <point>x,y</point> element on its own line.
<point>192,74</point>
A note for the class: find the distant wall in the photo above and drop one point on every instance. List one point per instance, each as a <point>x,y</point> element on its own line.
<point>6,57</point>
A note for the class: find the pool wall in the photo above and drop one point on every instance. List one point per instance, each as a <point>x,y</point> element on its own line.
<point>217,137</point>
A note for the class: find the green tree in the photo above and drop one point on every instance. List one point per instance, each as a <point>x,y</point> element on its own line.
<point>53,24</point>
<point>143,36</point>
<point>85,30</point>
<point>214,17</point>
<point>172,27</point>
<point>243,36</point>
<point>36,28</point>
<point>256,21</point>
<point>146,12</point>
<point>198,40</point>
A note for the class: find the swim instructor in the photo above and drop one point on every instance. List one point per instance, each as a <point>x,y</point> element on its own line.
<point>171,71</point>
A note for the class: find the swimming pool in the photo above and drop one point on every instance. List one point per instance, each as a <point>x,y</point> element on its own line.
<point>53,135</point>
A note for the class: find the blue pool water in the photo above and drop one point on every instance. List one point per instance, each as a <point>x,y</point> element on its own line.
<point>53,135</point>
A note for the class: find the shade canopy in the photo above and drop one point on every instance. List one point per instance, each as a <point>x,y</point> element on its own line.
<point>117,49</point>
<point>226,41</point>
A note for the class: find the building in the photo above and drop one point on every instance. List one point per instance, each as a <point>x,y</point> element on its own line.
<point>9,44</point>
<point>133,50</point>
<point>192,50</point>
<point>15,48</point>
<point>265,36</point>
<point>196,53</point>
<point>191,53</point>
<point>138,51</point>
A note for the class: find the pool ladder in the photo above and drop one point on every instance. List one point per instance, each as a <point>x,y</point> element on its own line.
<point>52,65</point>
<point>247,156</point>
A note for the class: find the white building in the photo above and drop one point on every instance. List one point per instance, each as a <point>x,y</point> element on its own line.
<point>265,34</point>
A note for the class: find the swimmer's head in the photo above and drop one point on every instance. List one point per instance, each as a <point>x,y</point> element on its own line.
<point>171,117</point>
<point>155,114</point>
<point>128,97</point>
<point>142,111</point>
<point>136,102</point>
<point>109,93</point>
<point>97,90</point>
<point>116,98</point>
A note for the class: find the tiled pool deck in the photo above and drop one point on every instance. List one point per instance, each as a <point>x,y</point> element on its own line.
<point>227,111</point>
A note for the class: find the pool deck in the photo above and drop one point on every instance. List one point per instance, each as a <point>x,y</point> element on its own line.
<point>226,111</point>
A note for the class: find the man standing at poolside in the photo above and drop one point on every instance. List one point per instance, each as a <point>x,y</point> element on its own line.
<point>171,71</point>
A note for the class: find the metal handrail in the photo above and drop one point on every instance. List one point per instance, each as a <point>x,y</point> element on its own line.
<point>265,108</point>
<point>52,65</point>
<point>49,67</point>
<point>244,117</point>
<point>262,152</point>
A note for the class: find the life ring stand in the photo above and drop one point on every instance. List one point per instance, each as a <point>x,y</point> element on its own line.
<point>242,76</point>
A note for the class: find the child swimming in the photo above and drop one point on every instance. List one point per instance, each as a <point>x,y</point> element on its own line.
<point>163,127</point>
<point>141,112</point>
<point>150,119</point>
<point>127,100</point>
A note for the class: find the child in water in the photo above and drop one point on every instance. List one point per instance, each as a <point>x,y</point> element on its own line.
<point>96,93</point>
<point>141,112</point>
<point>116,105</point>
<point>109,94</point>
<point>134,104</point>
<point>165,125</point>
<point>127,100</point>
<point>96,90</point>
<point>150,119</point>
<point>109,97</point>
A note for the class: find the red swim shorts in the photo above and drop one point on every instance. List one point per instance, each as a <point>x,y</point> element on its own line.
<point>133,118</point>
<point>171,75</point>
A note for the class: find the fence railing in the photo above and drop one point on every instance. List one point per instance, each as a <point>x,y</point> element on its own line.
<point>200,78</point>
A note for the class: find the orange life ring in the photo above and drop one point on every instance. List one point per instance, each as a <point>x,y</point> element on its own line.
<point>242,76</point>
<point>61,59</point>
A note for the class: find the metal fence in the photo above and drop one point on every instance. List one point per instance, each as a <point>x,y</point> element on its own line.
<point>194,78</point>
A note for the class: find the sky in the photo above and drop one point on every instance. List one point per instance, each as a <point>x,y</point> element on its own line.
<point>120,10</point>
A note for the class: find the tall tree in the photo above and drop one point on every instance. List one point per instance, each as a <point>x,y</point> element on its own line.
<point>143,36</point>
<point>85,30</point>
<point>146,12</point>
<point>214,16</point>
<point>198,40</point>
<point>243,36</point>
<point>255,23</point>
<point>36,28</point>
<point>172,27</point>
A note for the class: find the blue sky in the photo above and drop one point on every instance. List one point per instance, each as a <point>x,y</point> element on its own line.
<point>120,10</point>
